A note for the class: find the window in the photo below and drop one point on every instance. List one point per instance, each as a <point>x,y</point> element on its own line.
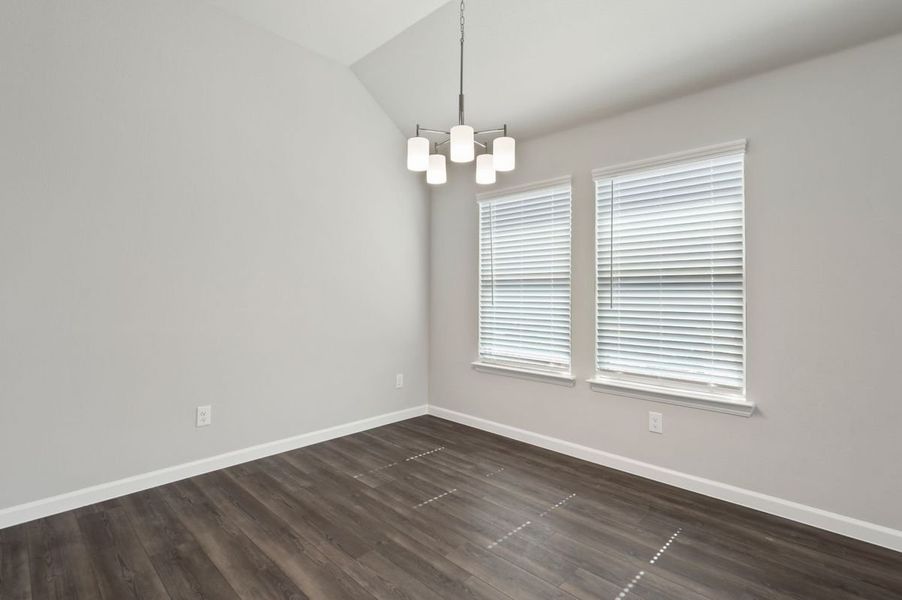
<point>524,278</point>
<point>670,313</point>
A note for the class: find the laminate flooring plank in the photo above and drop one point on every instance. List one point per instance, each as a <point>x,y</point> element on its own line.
<point>60,563</point>
<point>298,558</point>
<point>504,576</point>
<point>247,569</point>
<point>15,572</point>
<point>122,567</point>
<point>588,586</point>
<point>281,499</point>
<point>182,565</point>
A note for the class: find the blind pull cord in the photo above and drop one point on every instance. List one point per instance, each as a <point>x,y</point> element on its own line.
<point>611,258</point>
<point>492,248</point>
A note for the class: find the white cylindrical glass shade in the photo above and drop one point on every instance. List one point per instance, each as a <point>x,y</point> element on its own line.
<point>462,144</point>
<point>417,154</point>
<point>485,170</point>
<point>504,150</point>
<point>436,173</point>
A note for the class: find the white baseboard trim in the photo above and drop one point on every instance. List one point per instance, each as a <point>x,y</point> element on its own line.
<point>816,517</point>
<point>37,509</point>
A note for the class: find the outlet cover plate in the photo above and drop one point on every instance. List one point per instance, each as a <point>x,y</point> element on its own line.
<point>655,422</point>
<point>204,415</point>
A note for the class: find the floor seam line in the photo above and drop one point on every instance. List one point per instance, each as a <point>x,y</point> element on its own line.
<point>635,580</point>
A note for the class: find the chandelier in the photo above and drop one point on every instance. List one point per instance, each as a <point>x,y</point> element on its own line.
<point>425,155</point>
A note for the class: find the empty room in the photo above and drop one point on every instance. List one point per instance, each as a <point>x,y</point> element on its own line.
<point>469,299</point>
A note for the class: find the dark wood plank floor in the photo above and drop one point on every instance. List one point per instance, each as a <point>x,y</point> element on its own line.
<point>427,508</point>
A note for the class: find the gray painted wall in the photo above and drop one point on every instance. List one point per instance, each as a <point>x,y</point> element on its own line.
<point>192,211</point>
<point>824,288</point>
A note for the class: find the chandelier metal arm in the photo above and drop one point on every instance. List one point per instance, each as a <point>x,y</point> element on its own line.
<point>497,130</point>
<point>446,140</point>
<point>502,130</point>
<point>427,130</point>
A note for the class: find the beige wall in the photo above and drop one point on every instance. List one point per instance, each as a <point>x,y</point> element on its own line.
<point>192,211</point>
<point>824,288</point>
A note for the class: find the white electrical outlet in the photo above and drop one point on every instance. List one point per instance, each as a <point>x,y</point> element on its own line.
<point>204,415</point>
<point>399,380</point>
<point>655,422</point>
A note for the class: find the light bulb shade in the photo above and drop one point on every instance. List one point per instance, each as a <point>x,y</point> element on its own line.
<point>417,154</point>
<point>462,144</point>
<point>485,169</point>
<point>504,150</point>
<point>436,173</point>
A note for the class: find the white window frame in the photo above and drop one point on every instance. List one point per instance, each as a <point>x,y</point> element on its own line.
<point>655,389</point>
<point>485,365</point>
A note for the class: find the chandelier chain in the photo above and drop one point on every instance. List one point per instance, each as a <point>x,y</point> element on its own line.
<point>462,6</point>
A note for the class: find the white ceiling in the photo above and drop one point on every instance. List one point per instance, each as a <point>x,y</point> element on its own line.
<point>343,30</point>
<point>543,64</point>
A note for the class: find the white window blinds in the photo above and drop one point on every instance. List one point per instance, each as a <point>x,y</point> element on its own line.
<point>670,297</point>
<point>524,278</point>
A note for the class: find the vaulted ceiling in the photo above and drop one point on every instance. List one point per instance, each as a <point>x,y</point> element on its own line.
<point>343,30</point>
<point>543,64</point>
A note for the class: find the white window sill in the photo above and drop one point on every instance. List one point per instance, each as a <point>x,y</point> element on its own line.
<point>733,405</point>
<point>525,373</point>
